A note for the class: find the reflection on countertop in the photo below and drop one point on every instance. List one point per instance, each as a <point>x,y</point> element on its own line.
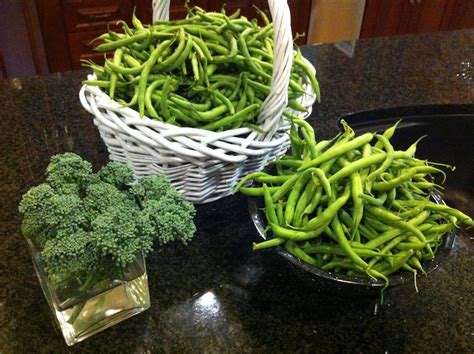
<point>216,295</point>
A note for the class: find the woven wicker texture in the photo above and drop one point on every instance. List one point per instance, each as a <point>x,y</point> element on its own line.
<point>202,164</point>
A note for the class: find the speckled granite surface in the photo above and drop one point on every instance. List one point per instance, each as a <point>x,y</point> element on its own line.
<point>216,295</point>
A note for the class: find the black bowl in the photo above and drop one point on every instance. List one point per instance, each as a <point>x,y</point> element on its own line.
<point>342,284</point>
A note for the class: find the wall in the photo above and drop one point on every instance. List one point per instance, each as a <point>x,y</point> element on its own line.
<point>335,20</point>
<point>14,42</point>
<point>21,44</point>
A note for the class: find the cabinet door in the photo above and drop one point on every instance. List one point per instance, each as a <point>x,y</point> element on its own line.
<point>393,17</point>
<point>177,9</point>
<point>300,11</point>
<point>383,17</point>
<point>426,16</point>
<point>463,15</point>
<point>94,15</point>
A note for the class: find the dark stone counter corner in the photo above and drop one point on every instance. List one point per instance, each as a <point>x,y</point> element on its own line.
<point>216,295</point>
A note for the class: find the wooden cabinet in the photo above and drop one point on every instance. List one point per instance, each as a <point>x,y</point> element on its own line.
<point>393,17</point>
<point>69,26</point>
<point>300,11</point>
<point>463,15</point>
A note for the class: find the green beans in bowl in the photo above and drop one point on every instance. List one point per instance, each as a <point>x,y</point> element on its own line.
<point>354,209</point>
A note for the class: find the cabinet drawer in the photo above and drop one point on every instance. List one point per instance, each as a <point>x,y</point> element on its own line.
<point>92,15</point>
<point>80,47</point>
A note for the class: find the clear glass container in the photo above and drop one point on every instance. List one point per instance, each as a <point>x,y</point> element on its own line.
<point>81,310</point>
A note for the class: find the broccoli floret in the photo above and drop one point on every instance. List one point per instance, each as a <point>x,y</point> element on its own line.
<point>99,196</point>
<point>172,217</point>
<point>68,188</point>
<point>119,236</point>
<point>117,173</point>
<point>47,213</point>
<point>33,200</point>
<point>69,168</point>
<point>72,253</point>
<point>151,187</point>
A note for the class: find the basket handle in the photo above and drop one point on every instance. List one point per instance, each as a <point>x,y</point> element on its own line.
<point>272,108</point>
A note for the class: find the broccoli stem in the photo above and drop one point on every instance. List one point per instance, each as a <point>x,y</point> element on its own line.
<point>88,284</point>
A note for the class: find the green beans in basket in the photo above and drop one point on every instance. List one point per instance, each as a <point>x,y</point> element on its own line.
<point>354,205</point>
<point>210,70</point>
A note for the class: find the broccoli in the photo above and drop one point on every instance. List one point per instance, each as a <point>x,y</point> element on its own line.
<point>99,196</point>
<point>69,168</point>
<point>151,187</point>
<point>117,174</point>
<point>171,217</point>
<point>72,254</point>
<point>47,212</point>
<point>84,222</point>
<point>118,235</point>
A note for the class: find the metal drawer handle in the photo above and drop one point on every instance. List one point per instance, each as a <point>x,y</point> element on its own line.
<point>99,16</point>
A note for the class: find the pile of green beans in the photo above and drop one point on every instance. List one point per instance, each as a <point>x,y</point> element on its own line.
<point>353,205</point>
<point>210,70</point>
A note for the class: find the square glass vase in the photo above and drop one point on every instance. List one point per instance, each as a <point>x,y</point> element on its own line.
<point>81,311</point>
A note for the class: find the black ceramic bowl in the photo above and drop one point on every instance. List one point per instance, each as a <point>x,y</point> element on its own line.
<point>342,284</point>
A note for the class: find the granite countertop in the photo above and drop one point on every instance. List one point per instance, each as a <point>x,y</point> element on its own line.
<point>217,295</point>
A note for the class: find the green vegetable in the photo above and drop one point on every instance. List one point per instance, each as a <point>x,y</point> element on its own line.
<point>86,223</point>
<point>361,206</point>
<point>211,70</point>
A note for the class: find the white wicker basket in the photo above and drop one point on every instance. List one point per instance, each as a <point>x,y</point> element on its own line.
<point>204,165</point>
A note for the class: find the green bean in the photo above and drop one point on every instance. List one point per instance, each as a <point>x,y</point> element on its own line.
<point>149,106</point>
<point>344,244</point>
<point>225,101</point>
<point>303,202</point>
<point>398,222</point>
<point>101,83</point>
<point>367,232</point>
<point>294,196</point>
<point>218,49</point>
<point>105,47</point>
<point>384,186</point>
<point>415,262</point>
<point>375,201</point>
<point>389,235</point>
<point>337,250</point>
<point>399,260</point>
<point>330,212</point>
<point>170,64</point>
<point>363,163</point>
<point>285,188</point>
<point>114,76</point>
<point>280,212</point>
<point>357,201</point>
<point>388,158</point>
<point>405,246</point>
<point>296,235</point>
<point>203,46</point>
<point>377,224</point>
<point>243,115</point>
<point>313,204</point>
<point>144,75</point>
<point>273,242</point>
<point>270,211</point>
<point>232,43</point>
<point>387,134</point>
<point>175,113</point>
<point>412,149</point>
<point>337,151</point>
<point>293,248</point>
<point>256,192</point>
<point>311,76</point>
